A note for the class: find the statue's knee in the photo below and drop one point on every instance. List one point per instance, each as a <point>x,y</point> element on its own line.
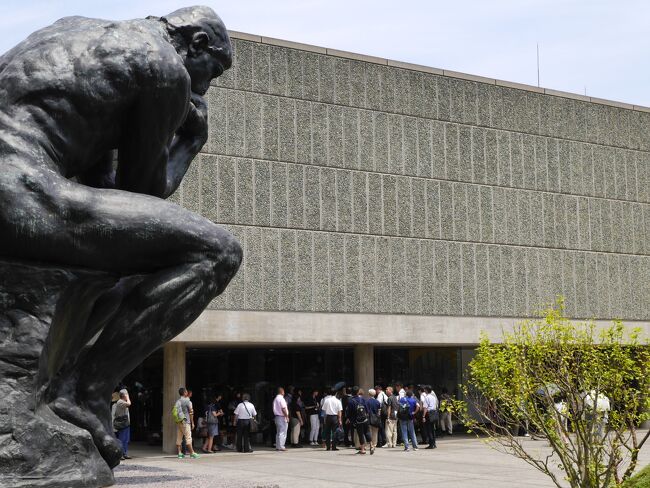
<point>225,258</point>
<point>232,255</point>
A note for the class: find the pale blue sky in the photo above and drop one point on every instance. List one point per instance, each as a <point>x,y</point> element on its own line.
<point>602,46</point>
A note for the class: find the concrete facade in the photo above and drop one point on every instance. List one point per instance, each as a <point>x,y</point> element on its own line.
<point>361,185</point>
<point>381,203</point>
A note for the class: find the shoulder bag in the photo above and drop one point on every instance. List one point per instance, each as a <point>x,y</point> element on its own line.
<point>254,426</point>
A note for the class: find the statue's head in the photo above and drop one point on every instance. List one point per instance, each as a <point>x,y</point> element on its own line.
<point>201,38</point>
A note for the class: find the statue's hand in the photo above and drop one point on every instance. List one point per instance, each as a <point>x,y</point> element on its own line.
<point>196,122</point>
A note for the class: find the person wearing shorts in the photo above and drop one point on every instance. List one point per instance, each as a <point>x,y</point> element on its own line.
<point>184,427</point>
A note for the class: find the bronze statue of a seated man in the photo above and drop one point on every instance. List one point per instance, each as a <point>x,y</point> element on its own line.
<point>71,95</point>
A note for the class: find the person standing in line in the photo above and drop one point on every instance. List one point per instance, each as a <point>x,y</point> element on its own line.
<point>430,415</point>
<point>242,416</point>
<point>281,415</point>
<point>391,417</point>
<point>408,409</point>
<point>186,451</point>
<point>122,421</point>
<point>347,431</point>
<point>312,412</point>
<point>303,415</point>
<point>289,396</point>
<point>382,398</point>
<point>401,393</point>
<point>185,424</point>
<point>296,421</point>
<point>374,418</point>
<point>231,432</point>
<point>333,410</point>
<point>212,415</point>
<point>446,405</point>
<point>420,396</point>
<point>358,416</point>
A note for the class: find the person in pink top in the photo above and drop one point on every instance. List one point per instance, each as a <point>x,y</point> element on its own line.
<point>281,413</point>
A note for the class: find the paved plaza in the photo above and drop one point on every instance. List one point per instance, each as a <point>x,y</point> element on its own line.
<point>459,462</point>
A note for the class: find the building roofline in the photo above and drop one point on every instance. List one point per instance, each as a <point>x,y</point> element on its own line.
<point>427,69</point>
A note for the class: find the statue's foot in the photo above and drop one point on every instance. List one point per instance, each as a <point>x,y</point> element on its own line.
<point>106,443</point>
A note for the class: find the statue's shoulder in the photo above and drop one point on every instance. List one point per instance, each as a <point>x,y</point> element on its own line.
<point>75,51</point>
<point>143,46</point>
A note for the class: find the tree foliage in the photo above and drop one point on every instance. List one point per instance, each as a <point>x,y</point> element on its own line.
<point>556,377</point>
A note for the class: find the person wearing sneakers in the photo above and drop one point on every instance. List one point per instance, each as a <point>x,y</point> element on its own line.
<point>312,404</point>
<point>333,410</point>
<point>357,414</point>
<point>430,415</point>
<point>281,414</point>
<point>185,414</point>
<point>408,409</point>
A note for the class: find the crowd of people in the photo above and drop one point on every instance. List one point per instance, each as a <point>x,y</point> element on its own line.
<point>334,417</point>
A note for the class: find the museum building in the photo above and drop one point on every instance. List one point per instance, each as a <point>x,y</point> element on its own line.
<point>389,213</point>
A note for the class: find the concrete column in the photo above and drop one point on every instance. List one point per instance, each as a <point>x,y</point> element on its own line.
<point>173,379</point>
<point>364,366</point>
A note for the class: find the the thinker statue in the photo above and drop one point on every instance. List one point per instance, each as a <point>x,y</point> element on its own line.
<point>97,270</point>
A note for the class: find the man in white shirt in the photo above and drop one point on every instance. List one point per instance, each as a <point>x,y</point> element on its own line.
<point>333,408</point>
<point>243,414</point>
<point>430,407</point>
<point>382,398</point>
<point>281,413</point>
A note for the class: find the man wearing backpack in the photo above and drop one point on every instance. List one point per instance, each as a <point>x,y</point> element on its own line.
<point>183,416</point>
<point>358,415</point>
<point>408,409</point>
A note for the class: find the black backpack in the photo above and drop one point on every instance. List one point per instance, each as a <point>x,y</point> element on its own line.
<point>361,414</point>
<point>404,412</point>
<point>383,411</point>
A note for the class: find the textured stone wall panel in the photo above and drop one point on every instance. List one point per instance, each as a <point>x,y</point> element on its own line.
<point>358,187</point>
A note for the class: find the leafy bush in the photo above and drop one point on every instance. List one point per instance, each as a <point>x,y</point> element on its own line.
<point>584,389</point>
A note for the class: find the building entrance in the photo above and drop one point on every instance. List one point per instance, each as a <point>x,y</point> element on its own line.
<point>229,371</point>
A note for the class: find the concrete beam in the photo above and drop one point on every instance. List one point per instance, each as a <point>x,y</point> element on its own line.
<point>222,327</point>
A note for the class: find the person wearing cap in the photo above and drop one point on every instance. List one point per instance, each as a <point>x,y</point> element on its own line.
<point>408,409</point>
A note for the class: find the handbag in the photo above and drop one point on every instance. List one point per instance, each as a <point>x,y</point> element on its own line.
<point>339,435</point>
<point>254,426</point>
<point>121,422</point>
<point>375,420</point>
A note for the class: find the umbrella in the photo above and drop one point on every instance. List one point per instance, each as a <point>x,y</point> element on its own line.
<point>602,402</point>
<point>550,389</point>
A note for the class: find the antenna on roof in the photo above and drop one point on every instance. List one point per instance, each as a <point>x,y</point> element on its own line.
<point>538,64</point>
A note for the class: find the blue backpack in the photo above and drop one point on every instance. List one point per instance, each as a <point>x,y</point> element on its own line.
<point>404,412</point>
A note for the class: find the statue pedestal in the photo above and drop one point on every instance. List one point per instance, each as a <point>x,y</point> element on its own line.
<point>43,329</point>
